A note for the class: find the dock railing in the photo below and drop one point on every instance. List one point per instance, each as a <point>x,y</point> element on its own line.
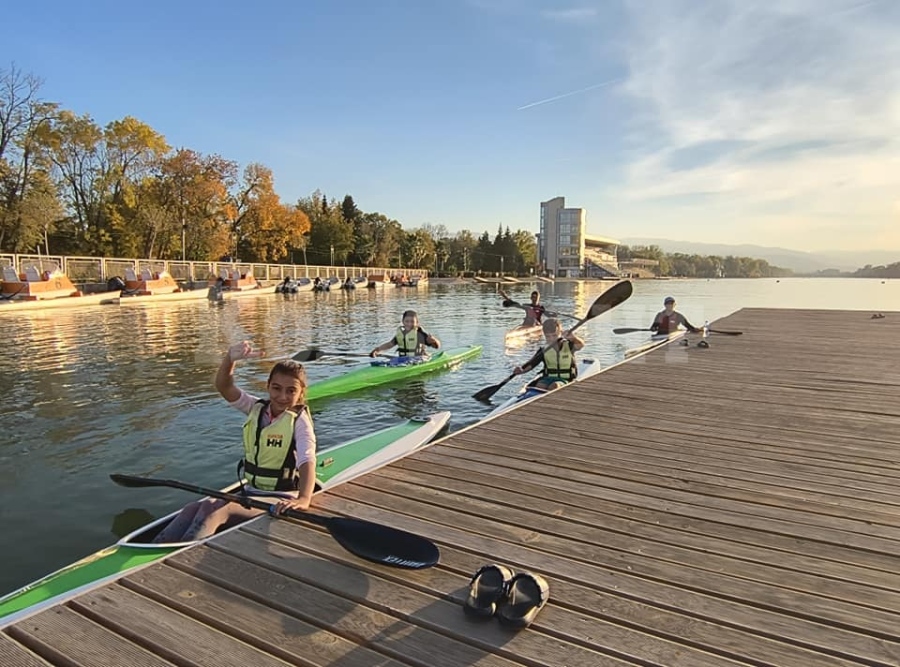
<point>101,269</point>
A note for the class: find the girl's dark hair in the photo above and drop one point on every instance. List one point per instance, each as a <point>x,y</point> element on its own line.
<point>291,369</point>
<point>409,313</point>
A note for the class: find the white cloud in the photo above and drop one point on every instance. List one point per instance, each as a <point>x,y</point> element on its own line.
<point>760,103</point>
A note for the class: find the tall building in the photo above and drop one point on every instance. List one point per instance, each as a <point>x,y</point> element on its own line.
<point>564,248</point>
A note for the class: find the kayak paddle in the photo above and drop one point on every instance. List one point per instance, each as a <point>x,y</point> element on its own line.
<point>625,330</point>
<point>509,303</point>
<point>314,354</point>
<point>611,298</point>
<point>370,541</point>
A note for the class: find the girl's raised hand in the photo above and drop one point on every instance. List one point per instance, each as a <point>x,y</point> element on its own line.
<point>243,350</point>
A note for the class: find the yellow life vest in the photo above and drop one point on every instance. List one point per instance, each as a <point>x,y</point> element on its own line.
<point>270,457</point>
<point>559,362</point>
<point>407,341</point>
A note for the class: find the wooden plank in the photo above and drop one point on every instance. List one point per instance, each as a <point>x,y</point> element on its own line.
<point>560,636</point>
<point>65,637</point>
<point>855,532</point>
<point>683,449</point>
<point>413,514</point>
<point>542,501</point>
<point>528,484</point>
<point>166,632</point>
<point>290,581</point>
<point>287,636</point>
<point>13,654</point>
<point>876,589</point>
<point>632,593</point>
<point>682,465</point>
<point>645,498</point>
<point>876,508</point>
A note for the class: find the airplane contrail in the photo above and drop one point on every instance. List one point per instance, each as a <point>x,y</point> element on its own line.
<point>574,92</point>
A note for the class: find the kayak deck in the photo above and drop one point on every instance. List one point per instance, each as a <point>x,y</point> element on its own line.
<point>334,465</point>
<point>586,368</point>
<point>657,340</point>
<point>372,375</point>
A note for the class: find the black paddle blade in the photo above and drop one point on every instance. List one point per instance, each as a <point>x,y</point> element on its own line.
<point>383,544</point>
<point>625,330</point>
<point>308,355</point>
<point>507,303</point>
<point>133,482</point>
<point>618,293</point>
<point>726,333</point>
<point>486,393</point>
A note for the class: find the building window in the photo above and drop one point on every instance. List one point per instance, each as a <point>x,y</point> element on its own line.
<point>565,240</point>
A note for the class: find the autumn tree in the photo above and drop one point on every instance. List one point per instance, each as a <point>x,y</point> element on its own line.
<point>29,202</point>
<point>264,228</point>
<point>189,191</point>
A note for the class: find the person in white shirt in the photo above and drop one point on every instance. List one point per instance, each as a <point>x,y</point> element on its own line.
<point>279,450</point>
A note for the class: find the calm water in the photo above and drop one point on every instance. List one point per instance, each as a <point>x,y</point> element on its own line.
<point>105,389</point>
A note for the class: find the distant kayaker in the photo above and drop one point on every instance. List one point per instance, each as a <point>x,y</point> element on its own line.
<point>534,312</point>
<point>668,319</point>
<point>410,339</point>
<point>558,357</point>
<point>279,449</point>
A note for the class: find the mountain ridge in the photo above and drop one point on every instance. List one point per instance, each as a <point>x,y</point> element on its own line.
<point>798,261</point>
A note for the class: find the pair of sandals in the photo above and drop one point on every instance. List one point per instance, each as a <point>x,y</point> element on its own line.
<point>514,598</point>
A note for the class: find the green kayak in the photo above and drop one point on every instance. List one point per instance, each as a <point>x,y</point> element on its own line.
<point>335,465</point>
<point>376,373</point>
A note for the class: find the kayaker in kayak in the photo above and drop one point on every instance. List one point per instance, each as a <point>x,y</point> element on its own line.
<point>410,339</point>
<point>534,312</point>
<point>558,357</point>
<point>668,319</point>
<point>279,449</point>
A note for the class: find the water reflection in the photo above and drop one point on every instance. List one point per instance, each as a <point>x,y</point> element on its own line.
<point>105,389</point>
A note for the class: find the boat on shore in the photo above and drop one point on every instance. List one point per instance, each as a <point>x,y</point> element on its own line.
<point>294,285</point>
<point>379,281</point>
<point>383,371</point>
<point>334,466</point>
<point>33,290</point>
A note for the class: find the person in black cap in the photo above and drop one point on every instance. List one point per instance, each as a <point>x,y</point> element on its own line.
<point>668,319</point>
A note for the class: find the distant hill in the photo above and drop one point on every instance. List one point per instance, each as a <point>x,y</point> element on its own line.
<point>796,260</point>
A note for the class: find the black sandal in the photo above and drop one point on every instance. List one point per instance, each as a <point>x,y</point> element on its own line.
<point>526,595</point>
<point>486,588</point>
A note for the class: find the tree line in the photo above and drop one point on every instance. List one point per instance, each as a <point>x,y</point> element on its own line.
<point>70,185</point>
<point>702,266</point>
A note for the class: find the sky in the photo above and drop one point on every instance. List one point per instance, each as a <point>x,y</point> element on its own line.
<point>718,121</point>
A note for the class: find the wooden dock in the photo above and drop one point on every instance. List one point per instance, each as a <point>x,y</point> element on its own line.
<point>737,505</point>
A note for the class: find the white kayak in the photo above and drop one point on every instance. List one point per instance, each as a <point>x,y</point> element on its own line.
<point>523,330</point>
<point>656,340</point>
<point>586,368</point>
<point>334,466</point>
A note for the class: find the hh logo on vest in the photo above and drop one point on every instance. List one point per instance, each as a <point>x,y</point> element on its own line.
<point>274,441</point>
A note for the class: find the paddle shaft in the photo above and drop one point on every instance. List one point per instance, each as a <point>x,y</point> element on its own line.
<point>244,501</point>
<point>509,303</point>
<point>368,540</point>
<point>486,393</point>
<point>625,330</point>
<point>618,293</point>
